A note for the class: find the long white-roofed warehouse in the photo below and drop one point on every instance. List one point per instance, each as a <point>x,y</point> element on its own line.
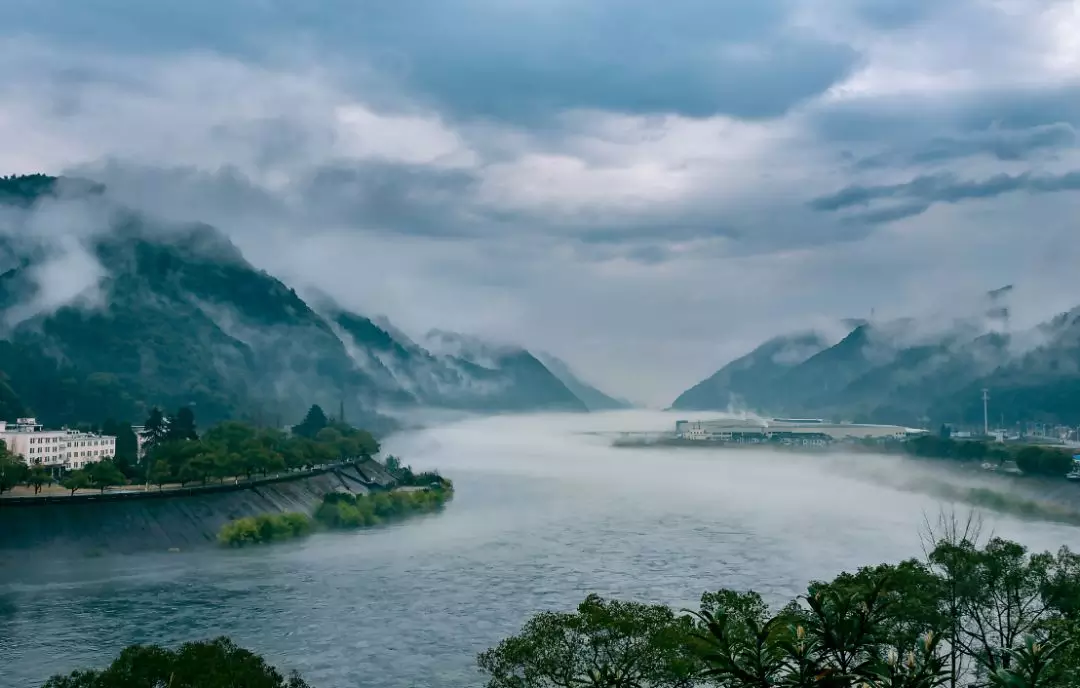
<point>803,430</point>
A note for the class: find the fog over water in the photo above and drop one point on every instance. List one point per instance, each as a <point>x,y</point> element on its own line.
<point>545,512</point>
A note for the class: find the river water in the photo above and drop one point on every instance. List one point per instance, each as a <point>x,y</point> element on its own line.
<point>545,512</point>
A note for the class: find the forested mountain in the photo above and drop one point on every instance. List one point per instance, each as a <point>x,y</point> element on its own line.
<point>124,312</point>
<point>905,372</point>
<point>505,379</point>
<point>593,398</point>
<point>752,380</point>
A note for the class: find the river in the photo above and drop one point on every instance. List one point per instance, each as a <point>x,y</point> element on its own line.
<point>545,512</point>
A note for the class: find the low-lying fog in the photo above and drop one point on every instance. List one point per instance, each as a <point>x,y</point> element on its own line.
<point>860,508</point>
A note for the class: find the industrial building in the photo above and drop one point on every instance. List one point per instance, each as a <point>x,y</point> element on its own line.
<point>788,430</point>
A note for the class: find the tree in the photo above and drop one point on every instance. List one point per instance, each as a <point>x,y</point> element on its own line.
<point>104,474</point>
<point>39,475</point>
<point>181,426</point>
<point>603,643</point>
<point>76,480</point>
<point>155,429</point>
<point>127,449</point>
<point>977,616</point>
<point>13,469</point>
<point>1036,460</point>
<point>313,422</point>
<point>972,450</point>
<point>216,663</point>
<point>393,464</point>
<point>160,473</point>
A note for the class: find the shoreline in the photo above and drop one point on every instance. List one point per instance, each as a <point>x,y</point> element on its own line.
<point>372,475</point>
<point>1028,497</point>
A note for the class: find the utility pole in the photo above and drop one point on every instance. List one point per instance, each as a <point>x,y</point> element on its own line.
<point>986,411</point>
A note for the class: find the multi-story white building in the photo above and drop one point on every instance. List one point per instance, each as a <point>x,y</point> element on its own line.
<point>67,449</point>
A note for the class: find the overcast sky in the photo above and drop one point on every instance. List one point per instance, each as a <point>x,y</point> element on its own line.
<point>646,189</point>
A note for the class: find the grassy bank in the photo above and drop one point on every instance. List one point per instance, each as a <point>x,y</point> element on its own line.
<point>256,530</point>
<point>338,511</point>
<point>346,511</point>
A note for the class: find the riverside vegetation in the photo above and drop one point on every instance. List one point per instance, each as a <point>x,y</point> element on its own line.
<point>176,453</point>
<point>971,613</point>
<point>415,493</point>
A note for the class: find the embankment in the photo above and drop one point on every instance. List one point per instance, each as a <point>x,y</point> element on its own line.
<point>126,523</point>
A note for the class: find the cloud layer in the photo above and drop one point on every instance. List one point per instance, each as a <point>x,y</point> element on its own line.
<point>646,190</point>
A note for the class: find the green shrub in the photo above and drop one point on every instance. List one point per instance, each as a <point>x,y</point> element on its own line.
<point>346,511</point>
<point>264,528</point>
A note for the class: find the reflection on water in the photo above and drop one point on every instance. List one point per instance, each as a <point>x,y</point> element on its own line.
<point>543,514</point>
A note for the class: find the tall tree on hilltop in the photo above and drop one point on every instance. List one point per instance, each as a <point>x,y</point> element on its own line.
<point>156,428</point>
<point>127,445</point>
<point>126,454</point>
<point>182,426</point>
<point>313,422</point>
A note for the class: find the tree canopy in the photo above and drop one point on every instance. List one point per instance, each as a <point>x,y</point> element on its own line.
<point>216,663</point>
<point>313,423</point>
<point>988,615</point>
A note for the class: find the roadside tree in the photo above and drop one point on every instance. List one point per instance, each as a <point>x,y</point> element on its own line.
<point>13,469</point>
<point>76,480</point>
<point>104,474</point>
<point>160,473</point>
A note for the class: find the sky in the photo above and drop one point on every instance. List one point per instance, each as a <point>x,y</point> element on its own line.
<point>644,189</point>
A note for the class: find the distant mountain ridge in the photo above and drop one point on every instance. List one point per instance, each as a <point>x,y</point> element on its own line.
<point>912,371</point>
<point>593,398</point>
<point>177,316</point>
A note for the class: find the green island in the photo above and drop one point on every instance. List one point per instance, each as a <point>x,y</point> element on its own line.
<point>413,494</point>
<point>972,611</point>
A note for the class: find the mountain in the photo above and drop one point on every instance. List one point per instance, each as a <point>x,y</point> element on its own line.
<point>121,312</point>
<point>752,380</point>
<point>455,371</point>
<point>911,370</point>
<point>593,398</point>
<point>1038,383</point>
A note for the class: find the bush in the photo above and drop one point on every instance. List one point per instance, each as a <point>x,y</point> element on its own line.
<point>264,528</point>
<point>345,511</point>
<point>1044,461</point>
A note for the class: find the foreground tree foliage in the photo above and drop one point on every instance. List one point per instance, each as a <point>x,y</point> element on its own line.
<point>603,643</point>
<point>209,664</point>
<point>967,616</point>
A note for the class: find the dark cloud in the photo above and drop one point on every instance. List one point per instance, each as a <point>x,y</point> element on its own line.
<point>923,191</point>
<point>521,62</point>
<point>891,14</point>
<point>1002,144</point>
<point>408,198</point>
<point>918,121</point>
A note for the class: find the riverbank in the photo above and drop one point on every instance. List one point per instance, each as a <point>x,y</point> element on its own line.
<point>956,480</point>
<point>370,472</point>
<point>95,524</point>
<point>338,511</point>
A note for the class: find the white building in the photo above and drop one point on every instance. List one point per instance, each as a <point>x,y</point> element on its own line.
<point>67,449</point>
<point>802,430</point>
